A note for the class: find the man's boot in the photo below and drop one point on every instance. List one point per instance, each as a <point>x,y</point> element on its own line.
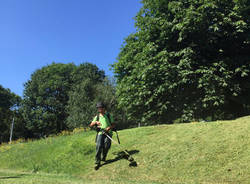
<point>97,166</point>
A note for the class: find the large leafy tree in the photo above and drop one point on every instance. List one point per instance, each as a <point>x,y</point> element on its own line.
<point>83,95</point>
<point>83,99</point>
<point>87,71</point>
<point>82,103</point>
<point>45,98</point>
<point>9,103</point>
<point>47,94</point>
<point>188,59</point>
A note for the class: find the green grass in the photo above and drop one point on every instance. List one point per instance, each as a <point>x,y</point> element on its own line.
<point>214,152</point>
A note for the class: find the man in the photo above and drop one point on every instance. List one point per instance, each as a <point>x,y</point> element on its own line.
<point>104,123</point>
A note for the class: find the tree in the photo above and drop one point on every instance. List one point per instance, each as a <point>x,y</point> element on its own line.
<point>83,99</point>
<point>45,98</point>
<point>47,94</point>
<point>8,101</point>
<point>87,71</point>
<point>83,94</point>
<point>188,59</point>
<point>81,105</point>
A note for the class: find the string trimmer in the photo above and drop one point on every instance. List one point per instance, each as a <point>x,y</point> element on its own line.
<point>125,154</point>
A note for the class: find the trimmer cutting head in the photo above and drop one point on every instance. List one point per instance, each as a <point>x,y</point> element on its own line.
<point>123,154</point>
<point>130,159</point>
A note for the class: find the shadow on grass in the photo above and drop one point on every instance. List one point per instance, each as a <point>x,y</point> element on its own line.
<point>11,177</point>
<point>122,155</point>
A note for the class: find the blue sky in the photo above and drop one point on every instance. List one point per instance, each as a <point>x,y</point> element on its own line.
<point>35,33</point>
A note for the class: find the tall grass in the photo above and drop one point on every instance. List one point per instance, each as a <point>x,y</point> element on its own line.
<point>62,154</point>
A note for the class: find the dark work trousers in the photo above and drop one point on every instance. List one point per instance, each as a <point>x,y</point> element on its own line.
<point>103,143</point>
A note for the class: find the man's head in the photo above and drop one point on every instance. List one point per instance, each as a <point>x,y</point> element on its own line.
<point>100,107</point>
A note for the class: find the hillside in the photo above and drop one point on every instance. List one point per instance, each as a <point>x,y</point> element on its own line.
<point>212,152</point>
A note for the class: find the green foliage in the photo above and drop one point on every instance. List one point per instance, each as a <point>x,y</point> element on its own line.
<point>83,96</point>
<point>45,98</point>
<point>9,102</point>
<point>188,59</point>
<point>82,103</point>
<point>87,71</point>
<point>48,93</point>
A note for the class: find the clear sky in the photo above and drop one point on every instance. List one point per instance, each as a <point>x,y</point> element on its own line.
<point>35,33</point>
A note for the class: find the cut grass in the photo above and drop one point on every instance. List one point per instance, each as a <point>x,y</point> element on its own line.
<point>18,177</point>
<point>214,152</point>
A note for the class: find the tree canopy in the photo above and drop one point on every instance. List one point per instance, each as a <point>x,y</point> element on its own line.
<point>188,59</point>
<point>8,103</point>
<point>47,94</point>
<point>83,99</point>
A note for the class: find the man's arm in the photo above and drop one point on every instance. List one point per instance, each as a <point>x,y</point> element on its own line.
<point>110,127</point>
<point>94,122</point>
<point>112,123</point>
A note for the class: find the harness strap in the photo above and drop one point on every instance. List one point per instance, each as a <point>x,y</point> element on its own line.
<point>97,119</point>
<point>108,115</point>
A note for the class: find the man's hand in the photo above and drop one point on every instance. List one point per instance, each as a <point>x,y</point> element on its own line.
<point>108,129</point>
<point>98,123</point>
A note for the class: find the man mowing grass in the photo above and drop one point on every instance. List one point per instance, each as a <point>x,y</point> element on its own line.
<point>103,122</point>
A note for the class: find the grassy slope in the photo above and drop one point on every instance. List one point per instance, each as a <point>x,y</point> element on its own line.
<point>215,152</point>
